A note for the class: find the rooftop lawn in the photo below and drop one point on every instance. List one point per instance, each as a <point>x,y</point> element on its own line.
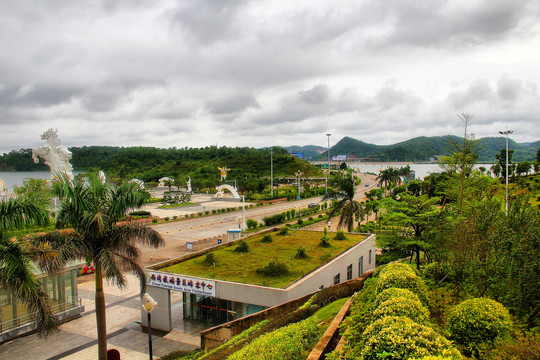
<point>241,267</point>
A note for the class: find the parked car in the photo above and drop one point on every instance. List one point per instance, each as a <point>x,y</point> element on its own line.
<point>312,205</point>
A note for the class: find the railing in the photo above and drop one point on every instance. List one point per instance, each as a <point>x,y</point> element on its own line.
<point>31,318</point>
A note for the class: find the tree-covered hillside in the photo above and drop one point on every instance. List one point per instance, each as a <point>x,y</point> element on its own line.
<point>424,148</point>
<point>151,164</point>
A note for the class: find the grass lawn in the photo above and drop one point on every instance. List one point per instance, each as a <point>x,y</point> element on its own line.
<point>175,205</point>
<point>241,267</point>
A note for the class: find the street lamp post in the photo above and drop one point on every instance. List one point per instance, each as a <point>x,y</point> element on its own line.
<point>506,132</point>
<point>327,162</point>
<point>272,172</point>
<point>299,173</point>
<point>148,306</point>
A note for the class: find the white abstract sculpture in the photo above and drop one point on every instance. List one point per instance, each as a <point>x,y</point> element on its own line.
<point>139,182</point>
<point>56,156</point>
<point>162,181</point>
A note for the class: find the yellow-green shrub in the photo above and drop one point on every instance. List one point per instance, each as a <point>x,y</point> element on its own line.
<point>285,343</point>
<point>401,338</point>
<point>403,280</point>
<point>401,306</point>
<point>397,266</point>
<point>388,294</point>
<point>478,321</point>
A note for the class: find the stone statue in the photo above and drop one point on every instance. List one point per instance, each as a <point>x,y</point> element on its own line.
<point>188,183</point>
<point>101,176</point>
<point>56,156</point>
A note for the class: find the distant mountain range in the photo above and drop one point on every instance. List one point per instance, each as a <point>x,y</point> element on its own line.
<point>419,149</point>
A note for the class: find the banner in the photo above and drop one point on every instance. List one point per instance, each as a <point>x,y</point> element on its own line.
<point>298,155</point>
<point>339,157</point>
<point>181,283</point>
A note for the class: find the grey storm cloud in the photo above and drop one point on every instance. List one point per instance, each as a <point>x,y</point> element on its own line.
<point>260,73</point>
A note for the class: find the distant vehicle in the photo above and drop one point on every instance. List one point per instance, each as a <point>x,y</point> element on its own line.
<point>367,185</point>
<point>312,205</point>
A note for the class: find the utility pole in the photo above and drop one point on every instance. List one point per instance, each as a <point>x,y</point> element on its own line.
<point>272,171</point>
<point>299,173</point>
<point>506,132</point>
<point>327,163</point>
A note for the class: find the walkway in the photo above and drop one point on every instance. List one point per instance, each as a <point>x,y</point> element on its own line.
<point>77,339</point>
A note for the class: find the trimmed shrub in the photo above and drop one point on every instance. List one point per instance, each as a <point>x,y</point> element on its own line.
<point>324,243</point>
<point>300,222</point>
<point>267,239</point>
<point>340,235</point>
<point>402,306</point>
<point>393,293</point>
<point>167,218</point>
<point>274,219</point>
<point>301,253</point>
<point>274,269</point>
<point>209,260</point>
<point>207,212</point>
<point>403,280</point>
<point>288,342</point>
<point>140,213</point>
<point>154,220</point>
<point>283,231</point>
<point>401,338</point>
<point>478,321</point>
<point>175,217</point>
<point>214,211</point>
<point>397,266</point>
<point>242,247</point>
<point>252,224</point>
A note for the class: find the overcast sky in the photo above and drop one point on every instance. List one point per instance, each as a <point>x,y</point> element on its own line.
<point>258,73</point>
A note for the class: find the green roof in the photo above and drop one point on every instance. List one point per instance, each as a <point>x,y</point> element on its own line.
<point>234,266</point>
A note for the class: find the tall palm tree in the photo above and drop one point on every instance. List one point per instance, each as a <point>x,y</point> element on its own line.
<point>16,267</point>
<point>94,209</point>
<point>346,204</point>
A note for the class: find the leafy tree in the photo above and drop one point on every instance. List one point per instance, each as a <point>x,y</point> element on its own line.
<point>463,159</point>
<point>345,203</point>
<point>501,161</point>
<point>415,216</point>
<point>16,268</point>
<point>93,209</point>
<point>523,167</point>
<point>538,155</point>
<point>36,189</point>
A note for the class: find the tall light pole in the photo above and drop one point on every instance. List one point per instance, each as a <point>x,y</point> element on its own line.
<point>299,173</point>
<point>272,172</point>
<point>506,132</point>
<point>328,162</point>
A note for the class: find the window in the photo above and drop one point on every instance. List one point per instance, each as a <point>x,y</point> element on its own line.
<point>369,259</point>
<point>349,272</point>
<point>360,266</point>
<point>337,279</point>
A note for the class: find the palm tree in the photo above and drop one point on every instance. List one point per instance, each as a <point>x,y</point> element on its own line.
<point>16,275</point>
<point>346,204</point>
<point>93,209</point>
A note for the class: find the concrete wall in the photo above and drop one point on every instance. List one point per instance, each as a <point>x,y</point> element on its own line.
<point>161,315</point>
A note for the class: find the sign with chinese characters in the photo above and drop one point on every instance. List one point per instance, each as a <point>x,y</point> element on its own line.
<point>181,283</point>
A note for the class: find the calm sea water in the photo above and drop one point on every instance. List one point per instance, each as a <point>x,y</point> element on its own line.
<point>421,170</point>
<point>16,178</point>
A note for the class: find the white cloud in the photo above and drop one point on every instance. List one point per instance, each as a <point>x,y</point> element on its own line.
<point>258,73</point>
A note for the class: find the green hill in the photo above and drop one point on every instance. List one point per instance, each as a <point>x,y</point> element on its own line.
<point>425,148</point>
